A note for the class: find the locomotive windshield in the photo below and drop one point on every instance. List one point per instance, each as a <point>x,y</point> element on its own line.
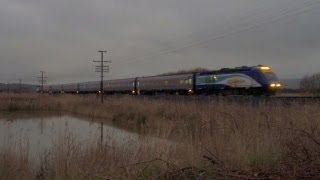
<point>270,76</point>
<point>268,73</point>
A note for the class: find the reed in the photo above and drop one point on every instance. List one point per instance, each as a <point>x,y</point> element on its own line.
<point>212,139</point>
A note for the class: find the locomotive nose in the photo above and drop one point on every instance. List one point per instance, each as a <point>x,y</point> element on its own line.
<point>275,85</point>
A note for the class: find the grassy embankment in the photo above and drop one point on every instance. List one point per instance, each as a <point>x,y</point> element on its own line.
<point>213,140</point>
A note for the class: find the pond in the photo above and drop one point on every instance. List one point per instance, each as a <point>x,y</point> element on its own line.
<point>38,133</point>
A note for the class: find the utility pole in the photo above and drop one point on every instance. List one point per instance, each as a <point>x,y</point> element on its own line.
<point>42,80</point>
<point>8,87</point>
<point>20,86</point>
<point>101,134</point>
<point>102,69</point>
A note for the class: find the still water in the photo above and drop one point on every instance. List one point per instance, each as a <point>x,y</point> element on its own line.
<point>38,133</point>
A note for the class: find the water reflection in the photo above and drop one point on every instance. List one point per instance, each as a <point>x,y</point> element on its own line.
<point>38,134</point>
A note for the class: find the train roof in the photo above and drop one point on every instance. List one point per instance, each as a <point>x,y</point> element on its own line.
<point>167,75</point>
<point>220,71</point>
<point>230,70</point>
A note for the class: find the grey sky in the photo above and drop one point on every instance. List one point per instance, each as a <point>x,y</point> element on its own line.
<point>62,37</point>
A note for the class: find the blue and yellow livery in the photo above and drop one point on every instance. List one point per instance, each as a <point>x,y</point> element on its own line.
<point>256,80</point>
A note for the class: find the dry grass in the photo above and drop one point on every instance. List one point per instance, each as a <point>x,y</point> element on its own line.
<point>216,139</point>
<point>14,164</point>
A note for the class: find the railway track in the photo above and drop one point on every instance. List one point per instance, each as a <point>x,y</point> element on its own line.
<point>246,100</point>
<point>296,97</point>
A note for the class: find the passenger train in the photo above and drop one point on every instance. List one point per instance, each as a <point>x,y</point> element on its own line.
<point>254,80</point>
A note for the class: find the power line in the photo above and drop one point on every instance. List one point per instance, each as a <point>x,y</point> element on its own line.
<point>255,26</point>
<point>289,13</point>
<point>252,13</point>
<point>227,34</point>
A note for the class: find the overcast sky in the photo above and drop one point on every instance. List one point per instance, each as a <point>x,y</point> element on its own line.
<point>147,37</point>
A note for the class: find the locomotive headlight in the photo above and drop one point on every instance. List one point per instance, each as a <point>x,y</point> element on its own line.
<point>265,68</point>
<point>190,91</point>
<point>273,85</point>
<point>133,92</point>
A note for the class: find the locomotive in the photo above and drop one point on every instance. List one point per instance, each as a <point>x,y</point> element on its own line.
<point>244,80</point>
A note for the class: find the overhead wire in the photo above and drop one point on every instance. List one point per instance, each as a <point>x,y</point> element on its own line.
<point>248,28</point>
<point>309,5</point>
<point>255,12</point>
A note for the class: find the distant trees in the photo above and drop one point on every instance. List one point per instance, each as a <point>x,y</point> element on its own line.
<point>311,84</point>
<point>195,70</point>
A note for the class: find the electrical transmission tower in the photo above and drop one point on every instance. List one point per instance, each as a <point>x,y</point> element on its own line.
<point>42,80</point>
<point>102,69</point>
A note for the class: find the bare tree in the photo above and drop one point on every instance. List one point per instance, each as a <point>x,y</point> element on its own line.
<point>311,84</point>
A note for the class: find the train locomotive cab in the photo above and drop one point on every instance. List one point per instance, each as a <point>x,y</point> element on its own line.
<point>270,81</point>
<point>255,80</point>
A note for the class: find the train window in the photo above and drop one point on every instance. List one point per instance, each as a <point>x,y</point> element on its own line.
<point>190,81</point>
<point>271,76</point>
<point>186,81</point>
<point>201,80</point>
<point>165,82</point>
<point>211,79</point>
<point>181,81</point>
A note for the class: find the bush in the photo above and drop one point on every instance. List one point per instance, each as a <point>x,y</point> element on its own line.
<point>311,84</point>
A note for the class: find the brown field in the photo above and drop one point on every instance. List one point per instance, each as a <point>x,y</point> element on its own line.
<point>215,140</point>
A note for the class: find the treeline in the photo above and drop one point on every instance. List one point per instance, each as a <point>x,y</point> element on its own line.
<point>14,87</point>
<point>195,70</point>
<point>311,84</point>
